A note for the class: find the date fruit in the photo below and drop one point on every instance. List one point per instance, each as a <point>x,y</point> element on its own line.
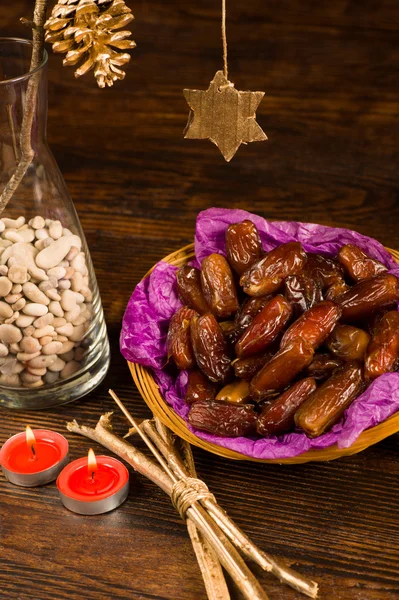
<point>336,290</point>
<point>218,286</point>
<point>211,348</point>
<point>367,297</point>
<point>281,369</point>
<point>315,325</point>
<point>230,331</point>
<point>179,340</point>
<point>246,368</point>
<point>267,275</point>
<point>223,418</point>
<point>190,290</point>
<point>265,327</point>
<point>328,403</point>
<point>322,366</point>
<point>199,387</point>
<point>383,351</point>
<point>302,292</point>
<point>243,245</point>
<point>248,311</point>
<point>236,392</point>
<point>348,342</point>
<point>357,264</point>
<point>323,269</point>
<point>277,417</point>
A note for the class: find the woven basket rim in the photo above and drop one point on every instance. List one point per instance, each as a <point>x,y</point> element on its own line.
<point>148,389</point>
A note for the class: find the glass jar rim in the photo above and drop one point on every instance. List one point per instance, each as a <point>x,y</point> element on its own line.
<point>4,40</point>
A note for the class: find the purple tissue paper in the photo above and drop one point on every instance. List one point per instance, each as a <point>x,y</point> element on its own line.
<point>154,301</point>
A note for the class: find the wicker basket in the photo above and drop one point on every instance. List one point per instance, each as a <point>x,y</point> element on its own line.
<point>149,390</point>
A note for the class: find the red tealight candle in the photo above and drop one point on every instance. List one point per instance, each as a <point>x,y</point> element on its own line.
<point>93,485</point>
<point>34,457</point>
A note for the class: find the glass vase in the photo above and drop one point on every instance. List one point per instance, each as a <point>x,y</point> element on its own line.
<point>53,341</point>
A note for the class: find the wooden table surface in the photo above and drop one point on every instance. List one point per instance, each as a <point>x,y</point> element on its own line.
<point>330,73</point>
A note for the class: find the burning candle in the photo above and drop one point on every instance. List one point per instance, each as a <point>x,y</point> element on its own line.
<point>93,485</point>
<point>34,457</point>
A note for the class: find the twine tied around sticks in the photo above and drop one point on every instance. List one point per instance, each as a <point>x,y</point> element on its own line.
<point>186,492</point>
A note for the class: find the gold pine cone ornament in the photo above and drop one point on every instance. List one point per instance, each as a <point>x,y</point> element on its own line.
<point>87,30</point>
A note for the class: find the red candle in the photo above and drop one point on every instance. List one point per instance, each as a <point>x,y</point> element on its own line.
<point>34,457</point>
<point>93,485</point>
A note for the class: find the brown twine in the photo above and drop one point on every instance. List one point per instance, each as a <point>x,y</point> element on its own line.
<point>224,39</point>
<point>186,492</point>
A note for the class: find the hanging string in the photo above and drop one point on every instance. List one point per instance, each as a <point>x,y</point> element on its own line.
<point>224,38</point>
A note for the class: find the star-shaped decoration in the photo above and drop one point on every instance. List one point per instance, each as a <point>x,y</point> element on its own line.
<point>223,115</point>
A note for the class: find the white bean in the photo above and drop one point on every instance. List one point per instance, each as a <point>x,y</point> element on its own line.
<point>28,377</point>
<point>12,298</point>
<point>24,321</point>
<point>37,222</point>
<point>42,331</point>
<point>10,334</point>
<point>55,308</point>
<point>57,365</point>
<point>37,310</point>
<point>52,348</point>
<point>57,272</point>
<point>26,356</point>
<point>77,334</point>
<point>5,286</point>
<point>69,369</point>
<point>66,329</point>
<point>43,361</point>
<point>5,310</point>
<point>53,295</point>
<point>18,273</point>
<point>32,292</point>
<point>59,322</point>
<point>15,223</point>
<point>51,377</point>
<point>68,300</point>
<point>56,252</point>
<point>55,230</point>
<point>19,304</point>
<point>13,317</point>
<point>66,347</point>
<point>41,233</point>
<point>39,372</point>
<point>10,380</point>
<point>67,356</point>
<point>43,321</point>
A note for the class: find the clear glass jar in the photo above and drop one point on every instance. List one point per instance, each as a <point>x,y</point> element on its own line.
<point>53,340</point>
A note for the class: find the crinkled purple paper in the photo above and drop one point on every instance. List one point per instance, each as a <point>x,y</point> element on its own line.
<point>153,302</point>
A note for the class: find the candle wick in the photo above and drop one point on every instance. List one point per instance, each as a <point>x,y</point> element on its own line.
<point>33,450</point>
<point>92,475</point>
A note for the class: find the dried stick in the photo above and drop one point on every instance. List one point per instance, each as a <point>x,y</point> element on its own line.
<point>234,533</point>
<point>208,562</point>
<point>226,553</point>
<point>104,435</point>
<point>190,507</point>
<point>27,152</point>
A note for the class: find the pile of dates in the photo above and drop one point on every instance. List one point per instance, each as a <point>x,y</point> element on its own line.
<point>284,340</point>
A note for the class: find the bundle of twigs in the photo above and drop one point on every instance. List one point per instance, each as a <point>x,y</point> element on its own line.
<point>216,540</point>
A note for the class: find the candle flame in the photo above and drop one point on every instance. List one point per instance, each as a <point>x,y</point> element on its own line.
<point>91,463</point>
<point>30,439</point>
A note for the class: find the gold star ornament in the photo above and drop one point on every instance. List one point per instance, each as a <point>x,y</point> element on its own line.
<point>223,115</point>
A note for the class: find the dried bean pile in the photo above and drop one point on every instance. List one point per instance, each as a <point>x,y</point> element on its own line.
<point>45,302</point>
<point>284,340</point>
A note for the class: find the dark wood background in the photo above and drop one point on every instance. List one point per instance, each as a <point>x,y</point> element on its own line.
<point>330,73</point>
